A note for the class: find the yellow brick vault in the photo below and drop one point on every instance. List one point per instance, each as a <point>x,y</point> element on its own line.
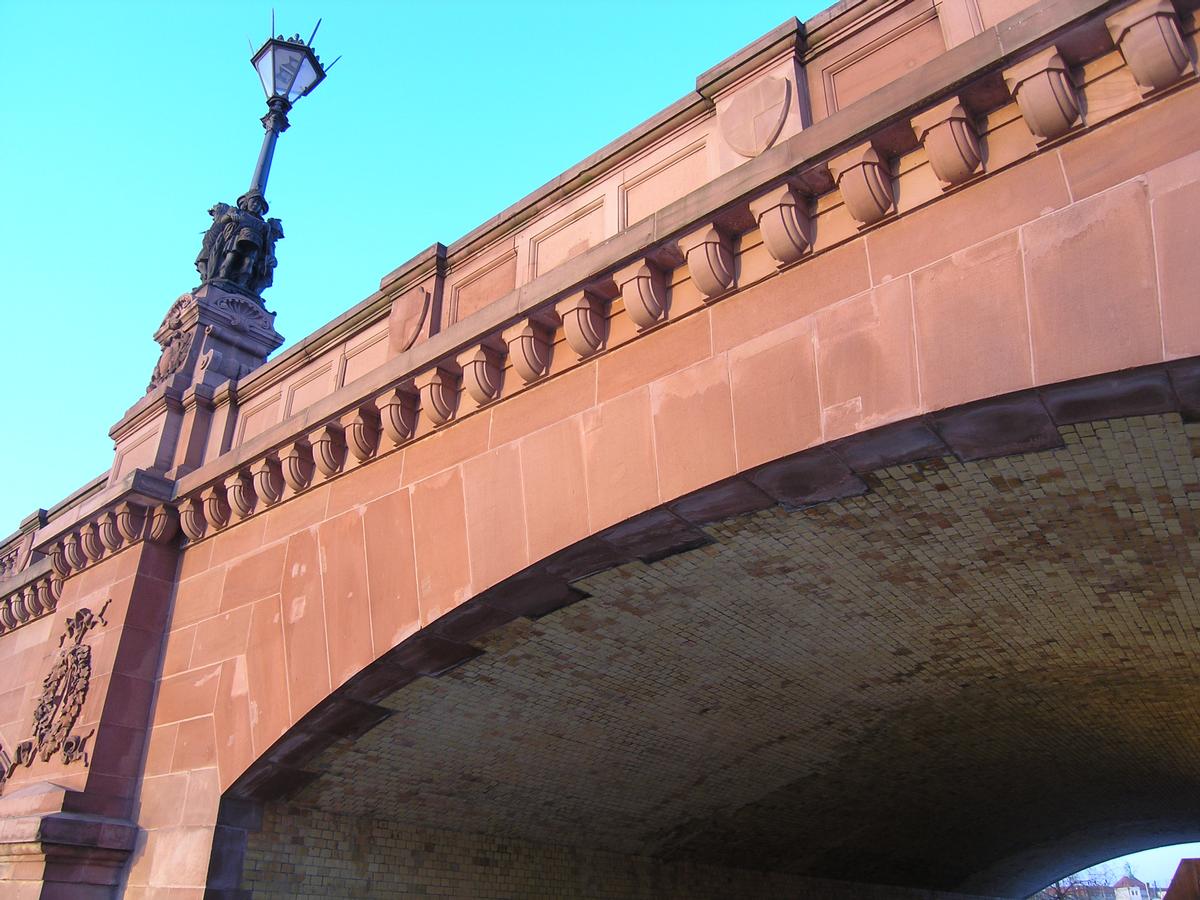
<point>888,685</point>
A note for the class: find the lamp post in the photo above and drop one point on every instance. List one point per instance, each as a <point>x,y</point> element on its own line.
<point>289,70</point>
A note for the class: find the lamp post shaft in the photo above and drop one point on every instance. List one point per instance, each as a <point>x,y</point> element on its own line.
<point>274,124</point>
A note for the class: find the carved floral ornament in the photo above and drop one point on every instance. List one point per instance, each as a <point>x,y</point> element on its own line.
<point>64,691</point>
<point>521,352</point>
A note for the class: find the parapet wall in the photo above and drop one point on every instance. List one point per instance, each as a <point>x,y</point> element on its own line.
<point>808,139</point>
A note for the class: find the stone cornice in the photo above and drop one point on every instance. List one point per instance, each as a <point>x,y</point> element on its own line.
<point>379,411</point>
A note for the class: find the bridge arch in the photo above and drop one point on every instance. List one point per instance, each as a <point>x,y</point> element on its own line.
<point>953,650</point>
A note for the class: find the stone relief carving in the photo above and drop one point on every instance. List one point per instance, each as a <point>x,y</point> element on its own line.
<point>756,115</point>
<point>64,691</point>
<point>238,250</point>
<point>175,340</point>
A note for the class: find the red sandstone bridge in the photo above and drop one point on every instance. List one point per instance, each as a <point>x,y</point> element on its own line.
<point>796,498</point>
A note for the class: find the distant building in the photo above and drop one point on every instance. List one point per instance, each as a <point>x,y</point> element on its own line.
<point>1130,888</point>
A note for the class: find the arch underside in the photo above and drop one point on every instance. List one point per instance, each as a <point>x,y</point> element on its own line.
<point>972,676</point>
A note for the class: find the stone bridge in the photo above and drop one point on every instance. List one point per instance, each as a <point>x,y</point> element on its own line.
<point>798,497</point>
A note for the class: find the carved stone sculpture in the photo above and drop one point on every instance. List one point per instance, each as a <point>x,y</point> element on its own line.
<point>64,691</point>
<point>238,250</point>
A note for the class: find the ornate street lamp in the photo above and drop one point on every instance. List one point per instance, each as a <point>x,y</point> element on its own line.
<point>238,253</point>
<point>289,70</point>
<point>222,329</point>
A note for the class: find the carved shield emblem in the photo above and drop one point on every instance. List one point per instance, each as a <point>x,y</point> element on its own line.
<point>756,115</point>
<point>407,319</point>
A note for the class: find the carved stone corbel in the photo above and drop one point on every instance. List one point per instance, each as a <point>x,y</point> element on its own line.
<point>76,558</point>
<point>297,466</point>
<point>530,345</point>
<point>33,603</point>
<point>216,505</point>
<point>8,616</point>
<point>709,253</point>
<point>439,394</point>
<point>643,287</point>
<point>47,596</point>
<point>191,518</point>
<point>58,559</point>
<point>163,524</point>
<point>130,521</point>
<point>328,448</point>
<point>483,371</point>
<point>950,142</point>
<point>1043,90</point>
<point>865,181</point>
<point>89,541</point>
<point>110,535</point>
<point>584,321</point>
<point>239,490</point>
<point>19,610</point>
<point>783,220</point>
<point>362,431</point>
<point>398,415</point>
<point>1148,36</point>
<point>268,479</point>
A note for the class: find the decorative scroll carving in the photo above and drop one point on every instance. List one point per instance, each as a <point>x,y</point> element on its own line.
<point>328,448</point>
<point>439,394</point>
<point>398,415</point>
<point>362,432</point>
<point>529,348</point>
<point>64,691</point>
<point>1148,36</point>
<point>865,181</point>
<point>950,142</point>
<point>782,216</point>
<point>709,255</point>
<point>482,371</point>
<point>644,292</point>
<point>1043,90</point>
<point>268,479</point>
<point>584,322</point>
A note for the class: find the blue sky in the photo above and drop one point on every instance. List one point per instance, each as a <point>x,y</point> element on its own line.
<point>125,121</point>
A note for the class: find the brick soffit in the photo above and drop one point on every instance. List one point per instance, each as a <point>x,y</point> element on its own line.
<point>361,420</point>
